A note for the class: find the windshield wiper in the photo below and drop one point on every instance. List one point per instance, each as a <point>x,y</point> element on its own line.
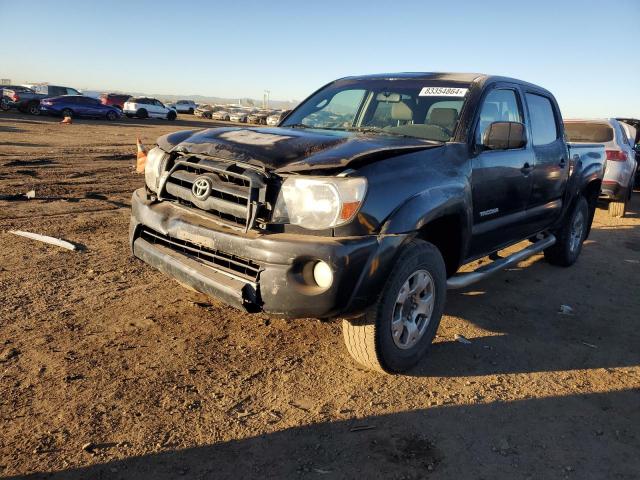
<point>297,125</point>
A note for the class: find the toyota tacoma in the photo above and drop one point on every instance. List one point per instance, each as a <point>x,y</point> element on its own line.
<point>364,202</point>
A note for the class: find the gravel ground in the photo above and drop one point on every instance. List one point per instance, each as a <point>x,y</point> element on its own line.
<point>109,370</point>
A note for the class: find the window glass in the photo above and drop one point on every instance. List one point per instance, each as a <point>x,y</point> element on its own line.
<point>337,111</point>
<point>500,105</point>
<point>414,107</point>
<point>72,91</point>
<point>588,132</point>
<point>544,129</point>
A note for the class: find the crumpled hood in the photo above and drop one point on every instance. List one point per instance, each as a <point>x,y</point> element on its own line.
<point>288,149</point>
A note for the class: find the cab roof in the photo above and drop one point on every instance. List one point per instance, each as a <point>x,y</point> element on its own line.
<point>458,77</point>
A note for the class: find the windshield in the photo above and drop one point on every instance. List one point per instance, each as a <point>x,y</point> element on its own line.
<point>412,107</point>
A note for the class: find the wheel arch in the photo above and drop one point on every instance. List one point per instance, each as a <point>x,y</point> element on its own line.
<point>446,233</point>
<point>591,192</point>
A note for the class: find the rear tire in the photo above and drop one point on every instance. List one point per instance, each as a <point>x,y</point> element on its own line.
<point>570,236</point>
<point>142,113</point>
<point>4,105</point>
<point>396,332</point>
<point>67,112</point>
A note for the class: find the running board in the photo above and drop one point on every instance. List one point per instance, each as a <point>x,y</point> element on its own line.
<point>465,279</point>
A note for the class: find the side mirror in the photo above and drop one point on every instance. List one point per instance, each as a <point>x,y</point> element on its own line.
<point>504,136</point>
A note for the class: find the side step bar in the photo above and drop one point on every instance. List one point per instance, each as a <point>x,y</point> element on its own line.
<point>465,279</point>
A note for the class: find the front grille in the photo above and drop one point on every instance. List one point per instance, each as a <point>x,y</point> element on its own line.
<point>221,261</point>
<point>237,195</point>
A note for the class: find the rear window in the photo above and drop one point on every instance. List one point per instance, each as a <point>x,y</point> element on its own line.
<point>588,132</point>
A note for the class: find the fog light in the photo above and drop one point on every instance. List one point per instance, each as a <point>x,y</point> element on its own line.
<point>322,275</point>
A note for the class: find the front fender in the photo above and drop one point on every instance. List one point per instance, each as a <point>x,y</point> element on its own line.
<point>170,140</point>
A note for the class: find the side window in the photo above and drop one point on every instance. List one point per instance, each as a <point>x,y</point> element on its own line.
<point>544,129</point>
<point>500,105</point>
<point>158,103</point>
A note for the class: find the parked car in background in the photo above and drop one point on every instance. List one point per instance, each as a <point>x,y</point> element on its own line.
<point>145,107</point>
<point>276,118</point>
<point>183,106</point>
<point>370,221</point>
<point>22,98</point>
<point>79,106</point>
<point>259,117</point>
<point>619,175</point>
<point>114,99</point>
<point>221,114</point>
<point>203,111</point>
<point>635,123</point>
<point>240,116</point>
<point>54,90</point>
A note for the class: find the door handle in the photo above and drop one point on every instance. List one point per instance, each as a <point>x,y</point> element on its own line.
<point>526,168</point>
<point>562,163</point>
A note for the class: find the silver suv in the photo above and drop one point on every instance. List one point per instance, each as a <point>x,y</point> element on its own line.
<point>621,165</point>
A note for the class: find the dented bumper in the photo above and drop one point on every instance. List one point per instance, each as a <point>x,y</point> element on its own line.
<point>260,271</point>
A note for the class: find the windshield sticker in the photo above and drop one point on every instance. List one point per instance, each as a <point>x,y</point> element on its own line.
<point>443,92</point>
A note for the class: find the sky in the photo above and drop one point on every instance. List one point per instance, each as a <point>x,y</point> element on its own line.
<point>583,51</point>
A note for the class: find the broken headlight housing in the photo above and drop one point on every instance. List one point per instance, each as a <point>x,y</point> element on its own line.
<point>317,203</point>
<point>154,167</point>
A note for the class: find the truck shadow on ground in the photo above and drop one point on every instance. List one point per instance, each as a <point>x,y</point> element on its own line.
<point>585,435</point>
<point>521,312</point>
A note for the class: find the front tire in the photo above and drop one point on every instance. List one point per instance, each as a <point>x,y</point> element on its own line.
<point>4,104</point>
<point>111,116</point>
<point>570,236</point>
<point>67,113</point>
<point>171,115</point>
<point>396,332</point>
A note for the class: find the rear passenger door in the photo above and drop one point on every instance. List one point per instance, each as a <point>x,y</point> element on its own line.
<point>500,179</point>
<point>551,169</point>
<point>158,109</point>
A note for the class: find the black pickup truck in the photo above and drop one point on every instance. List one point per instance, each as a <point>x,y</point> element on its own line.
<point>365,201</point>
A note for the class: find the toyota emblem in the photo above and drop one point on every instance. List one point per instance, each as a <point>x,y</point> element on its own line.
<point>201,188</point>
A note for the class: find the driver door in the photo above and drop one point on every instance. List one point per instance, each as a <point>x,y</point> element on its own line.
<point>501,180</point>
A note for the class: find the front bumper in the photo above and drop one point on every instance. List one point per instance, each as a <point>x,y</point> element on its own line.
<point>360,265</point>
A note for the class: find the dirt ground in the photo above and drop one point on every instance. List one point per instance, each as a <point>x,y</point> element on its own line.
<point>97,348</point>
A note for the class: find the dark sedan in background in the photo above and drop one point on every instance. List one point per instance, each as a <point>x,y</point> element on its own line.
<point>79,106</point>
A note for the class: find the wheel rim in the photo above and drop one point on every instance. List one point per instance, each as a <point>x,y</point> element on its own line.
<point>413,309</point>
<point>33,110</point>
<point>577,229</point>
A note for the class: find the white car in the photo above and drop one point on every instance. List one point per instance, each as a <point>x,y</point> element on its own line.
<point>239,116</point>
<point>184,106</point>
<point>275,119</point>
<point>144,107</point>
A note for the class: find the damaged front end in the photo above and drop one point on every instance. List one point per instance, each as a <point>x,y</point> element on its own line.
<point>231,228</point>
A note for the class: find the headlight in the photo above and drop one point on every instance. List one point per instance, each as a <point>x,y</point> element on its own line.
<point>316,203</point>
<point>153,168</point>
